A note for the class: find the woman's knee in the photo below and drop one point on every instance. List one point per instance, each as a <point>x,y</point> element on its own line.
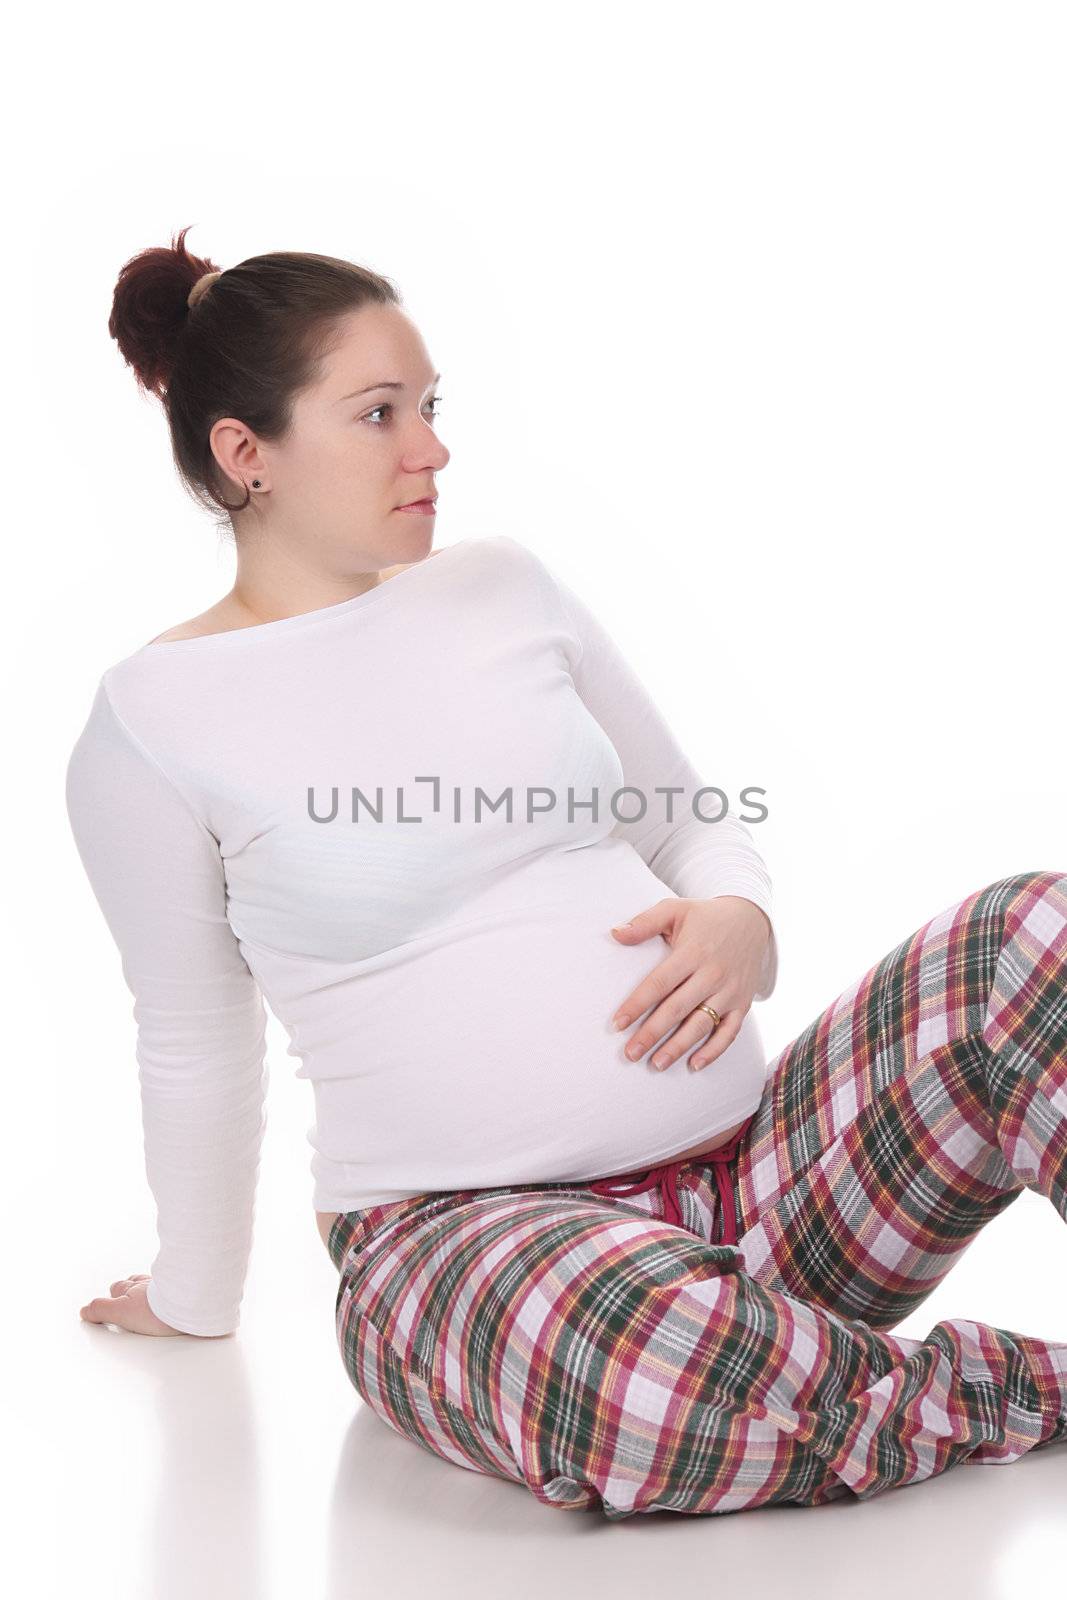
<point>1028,904</point>
<point>1034,908</point>
<point>1018,891</point>
<point>1049,883</point>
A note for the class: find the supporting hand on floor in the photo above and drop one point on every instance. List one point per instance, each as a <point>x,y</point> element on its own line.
<point>127,1307</point>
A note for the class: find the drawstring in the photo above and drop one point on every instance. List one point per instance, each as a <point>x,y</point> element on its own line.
<point>666,1177</point>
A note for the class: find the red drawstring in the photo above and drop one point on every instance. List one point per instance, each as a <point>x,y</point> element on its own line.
<point>666,1177</point>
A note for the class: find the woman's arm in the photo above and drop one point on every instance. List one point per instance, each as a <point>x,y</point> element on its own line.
<point>157,874</point>
<point>697,859</point>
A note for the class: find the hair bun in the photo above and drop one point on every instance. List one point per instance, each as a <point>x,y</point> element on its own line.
<point>200,288</point>
<point>252,366</point>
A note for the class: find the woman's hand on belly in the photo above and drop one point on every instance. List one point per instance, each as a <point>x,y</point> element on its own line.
<point>717,949</point>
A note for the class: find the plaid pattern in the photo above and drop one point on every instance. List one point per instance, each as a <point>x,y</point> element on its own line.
<point>607,1358</point>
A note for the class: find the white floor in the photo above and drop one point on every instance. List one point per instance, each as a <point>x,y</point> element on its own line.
<point>248,1469</point>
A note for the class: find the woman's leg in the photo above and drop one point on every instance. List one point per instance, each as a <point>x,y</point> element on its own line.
<point>605,1358</point>
<point>915,1108</point>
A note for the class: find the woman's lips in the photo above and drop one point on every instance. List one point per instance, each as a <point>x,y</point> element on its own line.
<point>422,508</point>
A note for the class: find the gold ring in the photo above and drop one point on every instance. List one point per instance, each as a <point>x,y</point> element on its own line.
<point>712,1013</point>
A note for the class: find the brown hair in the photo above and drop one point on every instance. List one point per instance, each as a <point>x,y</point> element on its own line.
<point>255,336</point>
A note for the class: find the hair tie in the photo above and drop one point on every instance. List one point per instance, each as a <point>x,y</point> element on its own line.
<point>200,288</point>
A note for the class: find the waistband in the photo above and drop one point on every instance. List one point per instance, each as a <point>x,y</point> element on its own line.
<point>665,1178</point>
<point>354,1227</point>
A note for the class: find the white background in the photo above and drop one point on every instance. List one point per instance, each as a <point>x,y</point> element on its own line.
<point>751,322</point>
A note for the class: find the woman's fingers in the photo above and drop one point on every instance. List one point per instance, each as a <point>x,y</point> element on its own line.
<point>661,983</point>
<point>722,1037</point>
<point>698,1028</point>
<point>693,1030</point>
<point>675,1012</point>
<point>106,1308</point>
<point>120,1285</point>
<point>127,1307</point>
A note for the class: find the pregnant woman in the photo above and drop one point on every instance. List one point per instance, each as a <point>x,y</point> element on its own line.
<point>418,802</point>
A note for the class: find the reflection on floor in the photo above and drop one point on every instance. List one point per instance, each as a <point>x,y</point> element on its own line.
<point>247,1468</point>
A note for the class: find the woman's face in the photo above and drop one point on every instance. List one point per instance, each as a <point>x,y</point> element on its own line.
<point>352,458</point>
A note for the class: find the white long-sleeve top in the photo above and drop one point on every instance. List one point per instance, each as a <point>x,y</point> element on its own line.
<point>313,811</point>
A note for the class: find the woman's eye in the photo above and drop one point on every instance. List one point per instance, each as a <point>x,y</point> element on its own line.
<point>435,400</point>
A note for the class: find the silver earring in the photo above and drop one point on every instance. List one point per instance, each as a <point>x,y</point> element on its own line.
<point>255,483</point>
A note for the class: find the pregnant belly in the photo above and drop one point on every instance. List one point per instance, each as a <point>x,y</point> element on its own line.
<point>494,1032</point>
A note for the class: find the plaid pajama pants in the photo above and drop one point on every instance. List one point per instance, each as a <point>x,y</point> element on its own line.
<point>602,1346</point>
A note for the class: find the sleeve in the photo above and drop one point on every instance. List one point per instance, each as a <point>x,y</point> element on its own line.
<point>157,874</point>
<point>697,858</point>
